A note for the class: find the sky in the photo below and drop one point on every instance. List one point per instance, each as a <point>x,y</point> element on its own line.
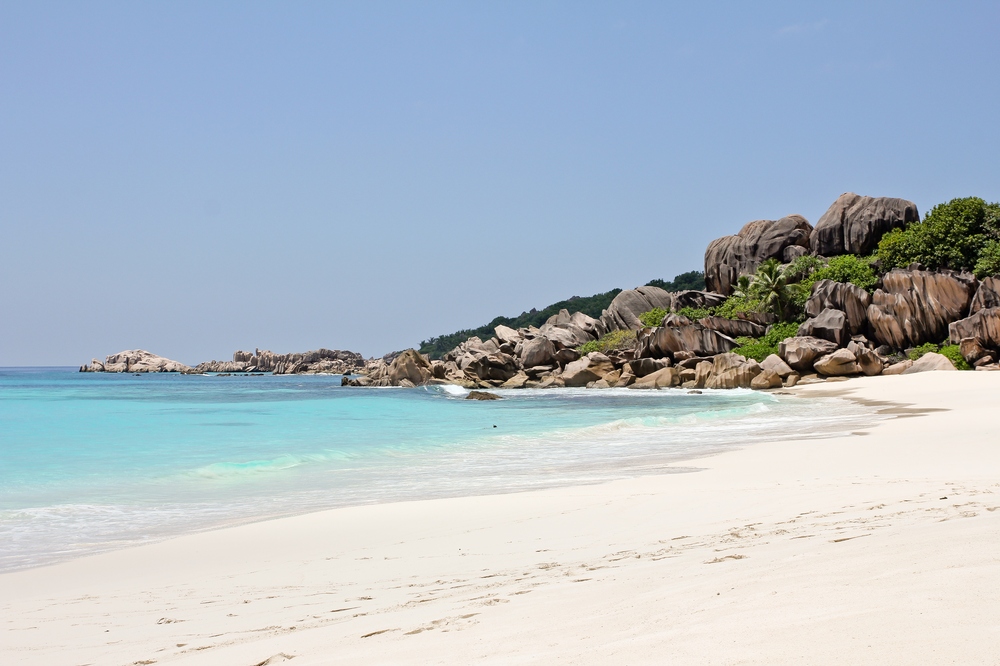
<point>196,178</point>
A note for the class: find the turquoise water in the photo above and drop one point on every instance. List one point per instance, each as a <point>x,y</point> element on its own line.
<point>90,462</point>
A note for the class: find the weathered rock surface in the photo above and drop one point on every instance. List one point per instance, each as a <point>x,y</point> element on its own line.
<point>412,366</point>
<point>800,352</point>
<point>135,360</point>
<point>915,307</point>
<point>623,312</point>
<point>666,340</point>
<point>987,295</point>
<point>481,395</point>
<point>590,368</point>
<point>767,379</point>
<point>690,298</point>
<point>977,335</point>
<point>869,363</point>
<point>774,363</point>
<point>898,368</point>
<point>855,224</point>
<point>537,351</point>
<point>662,378</point>
<point>731,256</point>
<point>641,367</point>
<point>829,325</point>
<point>852,300</point>
<point>732,371</point>
<point>837,364</point>
<point>930,362</point>
<point>734,328</point>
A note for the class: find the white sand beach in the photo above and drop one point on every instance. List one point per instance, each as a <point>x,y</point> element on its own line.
<point>882,547</point>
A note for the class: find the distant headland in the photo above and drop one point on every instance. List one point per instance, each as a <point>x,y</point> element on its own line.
<point>870,289</point>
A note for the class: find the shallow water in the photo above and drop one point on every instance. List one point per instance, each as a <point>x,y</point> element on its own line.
<point>90,462</point>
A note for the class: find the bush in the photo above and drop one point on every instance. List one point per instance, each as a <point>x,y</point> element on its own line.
<point>609,342</point>
<point>989,260</point>
<point>847,268</point>
<point>760,348</point>
<point>735,305</point>
<point>803,267</point>
<point>690,280</point>
<point>694,314</point>
<point>925,348</point>
<point>653,317</point>
<point>953,354</point>
<point>953,235</point>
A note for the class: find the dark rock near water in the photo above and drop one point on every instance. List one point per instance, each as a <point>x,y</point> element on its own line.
<point>481,395</point>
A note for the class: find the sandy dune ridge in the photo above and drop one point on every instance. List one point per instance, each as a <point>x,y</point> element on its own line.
<point>879,547</point>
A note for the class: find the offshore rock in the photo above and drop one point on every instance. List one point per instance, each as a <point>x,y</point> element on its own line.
<point>855,224</point>
<point>829,325</point>
<point>135,360</point>
<point>852,300</point>
<point>731,256</point>
<point>411,366</point>
<point>914,307</point>
<point>800,352</point>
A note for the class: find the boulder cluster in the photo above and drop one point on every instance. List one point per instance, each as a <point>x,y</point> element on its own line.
<point>849,330</point>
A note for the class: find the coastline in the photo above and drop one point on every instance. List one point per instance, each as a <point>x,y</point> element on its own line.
<point>791,551</point>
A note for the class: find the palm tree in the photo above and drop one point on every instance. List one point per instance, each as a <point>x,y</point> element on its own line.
<point>773,288</point>
<point>742,288</point>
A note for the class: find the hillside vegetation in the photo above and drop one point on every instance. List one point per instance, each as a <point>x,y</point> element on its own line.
<point>592,306</point>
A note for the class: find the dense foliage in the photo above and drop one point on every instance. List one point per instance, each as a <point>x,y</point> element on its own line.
<point>652,317</point>
<point>951,352</point>
<point>760,348</point>
<point>589,305</point>
<point>690,280</point>
<point>609,342</point>
<point>963,234</point>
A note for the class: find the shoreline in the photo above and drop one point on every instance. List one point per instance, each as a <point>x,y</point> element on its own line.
<point>778,552</point>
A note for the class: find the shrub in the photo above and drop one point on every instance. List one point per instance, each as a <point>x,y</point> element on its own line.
<point>694,314</point>
<point>953,354</point>
<point>760,348</point>
<point>653,317</point>
<point>953,235</point>
<point>989,260</point>
<point>735,305</point>
<point>802,267</point>
<point>925,348</point>
<point>847,268</point>
<point>609,342</point>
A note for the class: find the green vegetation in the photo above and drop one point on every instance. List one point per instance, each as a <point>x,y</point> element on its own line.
<point>610,342</point>
<point>963,234</point>
<point>690,280</point>
<point>589,305</point>
<point>760,348</point>
<point>951,352</point>
<point>694,314</point>
<point>653,317</point>
<point>847,268</point>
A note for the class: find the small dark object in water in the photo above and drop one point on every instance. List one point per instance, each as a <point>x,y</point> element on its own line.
<point>481,395</point>
<point>694,392</point>
<point>136,375</point>
<point>494,425</point>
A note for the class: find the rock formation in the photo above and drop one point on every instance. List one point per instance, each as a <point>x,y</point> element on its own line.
<point>855,224</point>
<point>623,312</point>
<point>914,307</point>
<point>853,301</point>
<point>829,325</point>
<point>135,360</point>
<point>731,256</point>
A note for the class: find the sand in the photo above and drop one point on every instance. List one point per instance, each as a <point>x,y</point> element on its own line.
<point>882,547</point>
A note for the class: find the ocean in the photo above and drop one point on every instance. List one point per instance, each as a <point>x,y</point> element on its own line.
<point>92,462</point>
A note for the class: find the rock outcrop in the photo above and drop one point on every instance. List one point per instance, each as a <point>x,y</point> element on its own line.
<point>135,360</point>
<point>855,224</point>
<point>731,256</point>
<point>829,325</point>
<point>732,371</point>
<point>930,362</point>
<point>695,338</point>
<point>978,336</point>
<point>837,364</point>
<point>623,312</point>
<point>319,361</point>
<point>987,295</point>
<point>914,307</point>
<point>801,351</point>
<point>852,300</point>
<point>734,328</point>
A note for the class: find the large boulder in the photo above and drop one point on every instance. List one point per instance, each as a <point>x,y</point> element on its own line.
<point>987,295</point>
<point>855,224</point>
<point>732,371</point>
<point>800,352</point>
<point>914,307</point>
<point>696,339</point>
<point>623,312</point>
<point>135,360</point>
<point>411,366</point>
<point>852,300</point>
<point>734,328</point>
<point>662,378</point>
<point>869,362</point>
<point>689,298</point>
<point>731,256</point>
<point>836,364</point>
<point>588,369</point>
<point>767,379</point>
<point>537,351</point>
<point>497,366</point>
<point>565,335</point>
<point>506,334</point>
<point>774,364</point>
<point>983,327</point>
<point>829,325</point>
<point>930,362</point>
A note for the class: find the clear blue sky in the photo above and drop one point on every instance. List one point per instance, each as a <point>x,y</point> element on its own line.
<point>194,180</point>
